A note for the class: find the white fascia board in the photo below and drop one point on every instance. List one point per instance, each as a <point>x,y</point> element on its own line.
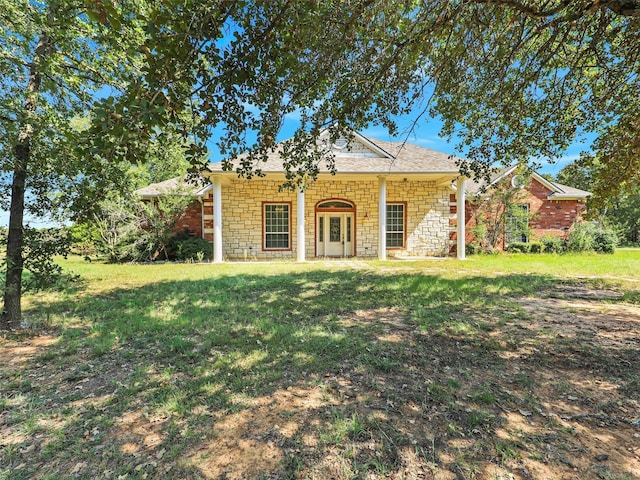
<point>566,196</point>
<point>368,143</point>
<point>504,174</point>
<point>550,185</point>
<point>204,190</point>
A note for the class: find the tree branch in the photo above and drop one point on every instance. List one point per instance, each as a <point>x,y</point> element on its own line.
<point>627,8</point>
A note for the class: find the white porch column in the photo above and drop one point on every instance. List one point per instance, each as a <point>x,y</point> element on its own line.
<point>382,218</point>
<point>461,234</point>
<point>301,225</point>
<point>217,220</point>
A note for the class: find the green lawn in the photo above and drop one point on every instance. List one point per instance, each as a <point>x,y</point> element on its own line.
<point>511,366</point>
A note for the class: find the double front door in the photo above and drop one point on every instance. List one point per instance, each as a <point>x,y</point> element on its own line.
<point>335,232</point>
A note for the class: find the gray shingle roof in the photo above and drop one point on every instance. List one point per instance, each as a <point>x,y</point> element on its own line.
<point>401,158</point>
<point>559,191</point>
<point>384,157</point>
<point>565,190</point>
<point>185,185</point>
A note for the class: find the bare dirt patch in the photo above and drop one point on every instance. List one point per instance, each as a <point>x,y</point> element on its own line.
<point>18,353</point>
<point>452,414</point>
<point>538,388</point>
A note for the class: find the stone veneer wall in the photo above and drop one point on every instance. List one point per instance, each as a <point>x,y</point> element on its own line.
<point>428,217</point>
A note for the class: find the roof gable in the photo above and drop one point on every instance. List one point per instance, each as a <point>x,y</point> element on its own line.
<point>358,146</point>
<point>557,191</point>
<point>363,155</point>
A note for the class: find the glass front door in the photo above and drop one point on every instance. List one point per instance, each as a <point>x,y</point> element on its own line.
<point>334,234</point>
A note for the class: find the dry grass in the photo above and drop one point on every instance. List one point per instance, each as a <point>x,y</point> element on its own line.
<point>440,370</point>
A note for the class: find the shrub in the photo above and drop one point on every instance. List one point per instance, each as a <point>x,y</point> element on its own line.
<point>535,247</point>
<point>473,249</point>
<point>589,236</point>
<point>551,244</point>
<point>192,249</point>
<point>581,237</point>
<point>605,240</point>
<point>519,247</point>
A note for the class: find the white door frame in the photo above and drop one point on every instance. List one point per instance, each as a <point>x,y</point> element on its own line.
<point>342,247</point>
<point>345,246</point>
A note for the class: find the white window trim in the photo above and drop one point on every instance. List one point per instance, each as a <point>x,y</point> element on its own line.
<point>404,227</point>
<point>523,206</point>
<point>264,226</point>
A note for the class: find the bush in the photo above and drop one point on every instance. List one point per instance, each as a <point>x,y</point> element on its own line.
<point>519,247</point>
<point>581,237</point>
<point>473,249</point>
<point>551,244</point>
<point>605,240</point>
<point>535,247</point>
<point>587,236</point>
<point>192,249</point>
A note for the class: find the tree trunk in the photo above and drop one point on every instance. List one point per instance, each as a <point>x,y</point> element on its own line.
<point>12,309</point>
<point>12,313</point>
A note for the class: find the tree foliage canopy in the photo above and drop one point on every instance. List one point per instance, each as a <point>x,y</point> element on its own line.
<point>513,80</point>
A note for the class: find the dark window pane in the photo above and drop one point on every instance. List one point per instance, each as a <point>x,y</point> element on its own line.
<point>276,225</point>
<point>334,229</point>
<point>335,204</point>
<point>395,225</point>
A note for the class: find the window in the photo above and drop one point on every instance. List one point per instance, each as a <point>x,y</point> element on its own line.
<point>334,229</point>
<point>277,222</point>
<point>395,225</point>
<point>334,204</point>
<point>518,181</point>
<point>518,224</point>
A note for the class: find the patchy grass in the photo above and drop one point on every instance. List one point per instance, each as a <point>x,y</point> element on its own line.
<point>520,366</point>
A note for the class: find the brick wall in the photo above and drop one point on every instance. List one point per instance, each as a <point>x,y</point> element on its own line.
<point>548,217</point>
<point>427,216</point>
<point>191,221</point>
<point>551,217</point>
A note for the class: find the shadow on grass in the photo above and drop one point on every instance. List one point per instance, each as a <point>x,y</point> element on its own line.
<point>322,375</point>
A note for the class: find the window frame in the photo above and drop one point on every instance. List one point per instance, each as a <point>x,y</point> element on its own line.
<point>404,226</point>
<point>289,247</point>
<point>523,236</point>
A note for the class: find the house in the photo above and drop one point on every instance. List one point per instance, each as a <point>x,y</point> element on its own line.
<point>386,199</point>
<point>546,207</point>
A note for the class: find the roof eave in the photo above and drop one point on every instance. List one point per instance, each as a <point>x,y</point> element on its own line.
<point>567,196</point>
<point>455,173</point>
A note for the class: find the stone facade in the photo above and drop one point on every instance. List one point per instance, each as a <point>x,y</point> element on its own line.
<point>427,216</point>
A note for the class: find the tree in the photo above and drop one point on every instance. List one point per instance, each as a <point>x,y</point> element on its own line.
<point>622,211</point>
<point>613,168</point>
<point>134,230</point>
<point>113,224</point>
<point>164,158</point>
<point>512,79</point>
<point>54,61</point>
<point>498,216</point>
